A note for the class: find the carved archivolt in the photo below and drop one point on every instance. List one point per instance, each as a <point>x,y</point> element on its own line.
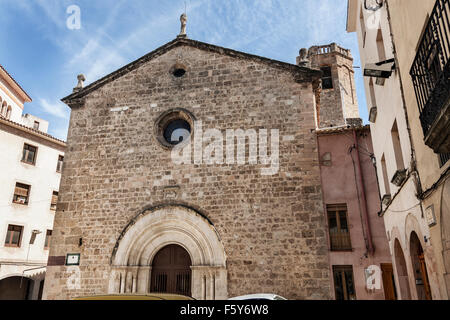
<point>157,228</point>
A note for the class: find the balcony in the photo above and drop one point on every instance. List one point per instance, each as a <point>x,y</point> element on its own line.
<point>430,74</point>
<point>340,240</point>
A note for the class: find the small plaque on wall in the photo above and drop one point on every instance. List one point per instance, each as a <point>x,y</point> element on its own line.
<point>430,216</point>
<point>73,259</point>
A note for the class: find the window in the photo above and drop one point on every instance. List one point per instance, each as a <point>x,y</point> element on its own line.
<point>21,193</point>
<point>338,227</point>
<point>327,80</point>
<point>3,111</point>
<point>29,154</point>
<point>177,131</point>
<point>397,147</point>
<point>363,27</point>
<point>54,200</point>
<point>174,127</point>
<point>387,188</point>
<point>343,283</point>
<point>373,99</point>
<point>60,164</point>
<point>8,113</point>
<point>36,125</point>
<point>380,46</point>
<point>47,239</point>
<point>13,236</point>
<point>178,70</point>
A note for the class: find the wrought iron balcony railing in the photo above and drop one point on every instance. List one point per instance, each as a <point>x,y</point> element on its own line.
<point>430,71</point>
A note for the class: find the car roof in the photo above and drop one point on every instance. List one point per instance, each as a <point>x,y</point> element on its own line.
<point>149,296</point>
<point>265,296</point>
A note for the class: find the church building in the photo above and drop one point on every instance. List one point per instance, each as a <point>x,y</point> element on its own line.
<point>195,170</point>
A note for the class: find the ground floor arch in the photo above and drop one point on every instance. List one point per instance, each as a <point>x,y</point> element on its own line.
<point>419,268</point>
<point>402,272</point>
<point>18,287</point>
<point>156,230</point>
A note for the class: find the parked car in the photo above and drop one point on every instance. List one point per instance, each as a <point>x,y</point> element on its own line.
<point>149,296</point>
<point>259,296</point>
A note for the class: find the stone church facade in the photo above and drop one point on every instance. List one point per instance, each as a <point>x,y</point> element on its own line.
<point>222,229</point>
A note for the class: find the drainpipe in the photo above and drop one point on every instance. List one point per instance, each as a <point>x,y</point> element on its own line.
<point>363,196</point>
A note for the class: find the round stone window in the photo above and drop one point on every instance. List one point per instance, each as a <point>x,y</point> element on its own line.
<point>177,131</point>
<point>174,127</point>
<point>178,70</point>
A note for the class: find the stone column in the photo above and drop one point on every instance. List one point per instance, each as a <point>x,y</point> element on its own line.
<point>209,282</point>
<point>123,273</point>
<point>114,280</point>
<point>129,281</point>
<point>143,279</point>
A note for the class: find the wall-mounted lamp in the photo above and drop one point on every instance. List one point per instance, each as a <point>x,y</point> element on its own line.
<point>381,69</point>
<point>374,4</point>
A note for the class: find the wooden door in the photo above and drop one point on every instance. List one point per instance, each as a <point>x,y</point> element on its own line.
<point>387,274</point>
<point>423,271</point>
<point>171,271</point>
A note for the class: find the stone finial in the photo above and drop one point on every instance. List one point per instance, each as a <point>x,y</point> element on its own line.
<point>81,78</point>
<point>302,59</point>
<point>183,20</point>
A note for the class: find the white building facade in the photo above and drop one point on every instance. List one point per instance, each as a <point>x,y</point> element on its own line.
<point>407,229</point>
<point>31,163</point>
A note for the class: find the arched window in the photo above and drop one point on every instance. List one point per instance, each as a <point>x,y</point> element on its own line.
<point>8,112</point>
<point>3,111</point>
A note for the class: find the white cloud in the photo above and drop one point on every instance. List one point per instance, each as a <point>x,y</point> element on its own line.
<point>57,109</point>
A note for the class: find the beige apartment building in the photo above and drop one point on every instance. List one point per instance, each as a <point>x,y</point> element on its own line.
<point>30,166</point>
<point>408,100</point>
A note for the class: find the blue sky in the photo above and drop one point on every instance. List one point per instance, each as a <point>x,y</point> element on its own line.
<point>45,56</point>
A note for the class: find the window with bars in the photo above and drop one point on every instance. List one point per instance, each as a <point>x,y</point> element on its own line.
<point>54,200</point>
<point>13,236</point>
<point>327,80</point>
<point>338,227</point>
<point>47,239</point>
<point>29,154</point>
<point>343,283</point>
<point>21,193</point>
<point>60,163</point>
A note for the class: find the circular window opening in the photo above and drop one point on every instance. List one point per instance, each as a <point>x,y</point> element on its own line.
<point>177,131</point>
<point>174,128</point>
<point>179,72</point>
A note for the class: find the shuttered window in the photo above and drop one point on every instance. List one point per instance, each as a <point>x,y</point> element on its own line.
<point>13,236</point>
<point>47,239</point>
<point>29,154</point>
<point>21,193</point>
<point>343,283</point>
<point>60,164</point>
<point>54,200</point>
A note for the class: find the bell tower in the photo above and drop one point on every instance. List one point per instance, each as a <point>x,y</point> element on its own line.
<point>336,101</point>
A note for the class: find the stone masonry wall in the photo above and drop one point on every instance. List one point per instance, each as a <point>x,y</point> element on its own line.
<point>272,227</point>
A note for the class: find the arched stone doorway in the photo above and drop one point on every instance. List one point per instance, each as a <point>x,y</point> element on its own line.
<point>419,268</point>
<point>158,227</point>
<point>171,271</point>
<point>402,273</point>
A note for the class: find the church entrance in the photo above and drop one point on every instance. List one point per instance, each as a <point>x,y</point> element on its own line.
<point>171,271</point>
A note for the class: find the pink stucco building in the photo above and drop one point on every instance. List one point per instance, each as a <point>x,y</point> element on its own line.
<point>358,249</point>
